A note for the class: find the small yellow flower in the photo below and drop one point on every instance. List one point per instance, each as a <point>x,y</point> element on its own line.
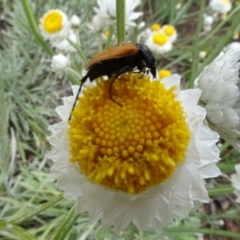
<point>224,16</point>
<point>106,33</point>
<point>178,5</point>
<point>54,25</point>
<point>170,32</point>
<point>155,27</point>
<point>160,39</point>
<point>164,73</point>
<point>236,35</point>
<point>52,22</point>
<point>159,43</point>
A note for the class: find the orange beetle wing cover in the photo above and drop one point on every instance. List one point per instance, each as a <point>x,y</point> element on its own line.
<point>124,50</point>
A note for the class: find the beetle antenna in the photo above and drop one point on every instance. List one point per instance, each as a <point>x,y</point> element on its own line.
<point>75,101</point>
<point>79,90</point>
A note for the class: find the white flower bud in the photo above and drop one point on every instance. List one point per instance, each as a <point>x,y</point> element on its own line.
<point>75,21</point>
<point>60,64</point>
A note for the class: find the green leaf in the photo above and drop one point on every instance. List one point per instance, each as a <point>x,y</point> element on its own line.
<point>120,6</point>
<point>34,27</point>
<point>14,232</point>
<point>66,225</point>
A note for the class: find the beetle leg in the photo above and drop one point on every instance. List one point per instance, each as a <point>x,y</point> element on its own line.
<point>123,70</point>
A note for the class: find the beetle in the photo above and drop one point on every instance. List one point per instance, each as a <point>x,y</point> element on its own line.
<point>116,61</point>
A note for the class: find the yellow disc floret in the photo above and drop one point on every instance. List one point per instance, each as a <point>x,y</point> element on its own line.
<point>133,147</point>
<point>169,30</point>
<point>164,73</point>
<point>226,1</point>
<point>52,21</point>
<point>160,39</point>
<point>106,33</point>
<point>155,27</point>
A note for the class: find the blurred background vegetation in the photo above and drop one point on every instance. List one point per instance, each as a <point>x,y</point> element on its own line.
<point>31,207</point>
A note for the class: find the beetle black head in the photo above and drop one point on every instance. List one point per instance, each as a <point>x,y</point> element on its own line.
<point>148,58</point>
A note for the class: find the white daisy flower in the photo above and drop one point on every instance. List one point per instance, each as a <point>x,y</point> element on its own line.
<point>170,32</point>
<point>75,21</point>
<point>219,83</point>
<point>99,24</point>
<point>64,45</point>
<point>60,64</point>
<point>143,162</point>
<point>107,10</point>
<point>220,6</point>
<point>155,27</point>
<point>235,179</point>
<point>146,33</point>
<point>159,43</point>
<point>54,25</point>
<point>233,46</point>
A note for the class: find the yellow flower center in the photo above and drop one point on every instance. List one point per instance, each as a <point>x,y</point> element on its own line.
<point>178,5</point>
<point>155,27</point>
<point>106,33</point>
<point>52,21</point>
<point>225,1</point>
<point>169,30</point>
<point>236,35</point>
<point>160,39</point>
<point>224,16</point>
<point>133,147</point>
<point>164,73</point>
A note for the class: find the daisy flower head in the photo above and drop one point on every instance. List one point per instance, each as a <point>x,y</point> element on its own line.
<point>99,23</point>
<point>142,162</point>
<point>144,34</point>
<point>235,179</point>
<point>170,32</point>
<point>233,46</point>
<point>220,6</point>
<point>155,27</point>
<point>159,43</point>
<point>219,83</point>
<point>54,25</point>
